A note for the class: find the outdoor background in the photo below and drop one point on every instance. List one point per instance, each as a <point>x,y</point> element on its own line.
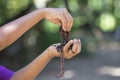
<point>96,23</point>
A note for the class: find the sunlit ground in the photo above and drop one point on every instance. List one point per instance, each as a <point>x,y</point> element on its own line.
<point>110,70</point>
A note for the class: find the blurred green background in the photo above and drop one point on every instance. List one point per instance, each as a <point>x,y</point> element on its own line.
<point>96,23</point>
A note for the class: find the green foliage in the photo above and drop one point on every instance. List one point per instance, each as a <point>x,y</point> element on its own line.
<point>11,8</point>
<point>107,22</point>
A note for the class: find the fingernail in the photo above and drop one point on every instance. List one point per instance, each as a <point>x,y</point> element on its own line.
<point>71,41</point>
<point>75,40</point>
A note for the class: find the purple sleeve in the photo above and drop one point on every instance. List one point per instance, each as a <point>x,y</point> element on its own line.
<point>5,74</point>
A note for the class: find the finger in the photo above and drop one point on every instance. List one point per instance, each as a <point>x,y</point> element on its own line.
<point>74,48</point>
<point>69,21</point>
<point>78,46</point>
<point>66,47</point>
<point>63,21</point>
<point>56,21</point>
<point>70,54</point>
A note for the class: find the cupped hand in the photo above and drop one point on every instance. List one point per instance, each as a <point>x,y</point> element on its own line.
<point>59,16</point>
<point>67,53</point>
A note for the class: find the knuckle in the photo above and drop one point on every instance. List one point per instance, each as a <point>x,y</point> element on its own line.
<point>72,19</point>
<point>71,22</point>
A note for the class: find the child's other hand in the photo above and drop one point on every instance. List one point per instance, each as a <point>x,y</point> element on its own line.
<point>67,53</point>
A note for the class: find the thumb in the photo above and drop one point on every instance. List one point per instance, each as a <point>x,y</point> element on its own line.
<point>56,21</point>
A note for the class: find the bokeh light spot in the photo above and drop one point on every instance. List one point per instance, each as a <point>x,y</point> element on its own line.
<point>107,22</point>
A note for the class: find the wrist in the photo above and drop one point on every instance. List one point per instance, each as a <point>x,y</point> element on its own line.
<point>48,53</point>
<point>42,12</point>
<point>47,12</point>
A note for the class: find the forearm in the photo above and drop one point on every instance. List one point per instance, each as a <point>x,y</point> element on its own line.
<point>13,30</point>
<point>33,69</point>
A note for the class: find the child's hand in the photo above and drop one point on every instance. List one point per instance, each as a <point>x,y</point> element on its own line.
<point>52,52</point>
<point>59,16</point>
